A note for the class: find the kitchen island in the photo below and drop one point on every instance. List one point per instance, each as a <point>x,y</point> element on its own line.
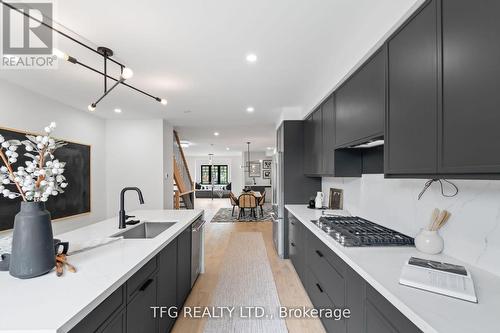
<point>56,304</point>
<point>371,279</point>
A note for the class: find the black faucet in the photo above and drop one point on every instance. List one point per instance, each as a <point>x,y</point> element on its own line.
<point>123,216</point>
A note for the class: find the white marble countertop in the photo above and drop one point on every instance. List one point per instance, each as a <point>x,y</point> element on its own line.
<point>55,304</point>
<point>381,268</point>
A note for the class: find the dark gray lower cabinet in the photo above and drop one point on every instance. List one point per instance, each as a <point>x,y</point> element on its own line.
<point>163,281</point>
<point>297,245</point>
<point>331,283</point>
<point>117,324</point>
<point>104,314</point>
<point>183,266</point>
<point>139,313</point>
<point>167,283</point>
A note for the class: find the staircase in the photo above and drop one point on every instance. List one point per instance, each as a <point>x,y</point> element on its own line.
<point>183,183</point>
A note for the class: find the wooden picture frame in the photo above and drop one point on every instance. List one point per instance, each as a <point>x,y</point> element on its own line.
<point>336,199</point>
<point>77,199</point>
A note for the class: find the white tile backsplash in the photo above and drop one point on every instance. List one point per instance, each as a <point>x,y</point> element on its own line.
<point>472,233</point>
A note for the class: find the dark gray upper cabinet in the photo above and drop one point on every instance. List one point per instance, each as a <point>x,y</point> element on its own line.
<point>469,136</point>
<point>360,103</point>
<point>328,130</point>
<point>308,144</point>
<point>313,144</point>
<point>411,129</point>
<point>318,142</point>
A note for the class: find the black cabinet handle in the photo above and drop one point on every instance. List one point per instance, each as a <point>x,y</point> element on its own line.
<point>146,285</point>
<point>319,287</point>
<point>293,244</point>
<point>319,253</point>
<point>292,223</point>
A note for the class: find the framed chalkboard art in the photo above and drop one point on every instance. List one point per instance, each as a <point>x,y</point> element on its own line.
<point>76,199</point>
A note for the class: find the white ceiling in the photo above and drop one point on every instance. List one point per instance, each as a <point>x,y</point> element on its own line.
<point>193,53</point>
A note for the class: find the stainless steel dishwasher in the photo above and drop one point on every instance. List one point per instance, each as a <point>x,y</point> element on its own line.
<point>196,248</point>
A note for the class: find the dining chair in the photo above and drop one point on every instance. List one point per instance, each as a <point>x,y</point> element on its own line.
<point>245,201</point>
<point>234,201</point>
<point>262,201</point>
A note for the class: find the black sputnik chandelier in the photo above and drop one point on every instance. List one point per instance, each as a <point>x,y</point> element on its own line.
<point>106,53</point>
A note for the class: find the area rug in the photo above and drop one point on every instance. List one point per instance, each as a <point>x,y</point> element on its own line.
<point>245,280</point>
<point>224,215</point>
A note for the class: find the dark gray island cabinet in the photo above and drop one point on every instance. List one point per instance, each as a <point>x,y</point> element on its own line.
<point>163,281</point>
<point>332,283</point>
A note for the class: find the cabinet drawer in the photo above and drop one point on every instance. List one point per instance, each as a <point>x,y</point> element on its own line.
<point>102,312</point>
<point>333,283</point>
<point>317,247</point>
<point>320,300</point>
<point>139,315</point>
<point>116,324</point>
<point>381,313</point>
<point>138,279</point>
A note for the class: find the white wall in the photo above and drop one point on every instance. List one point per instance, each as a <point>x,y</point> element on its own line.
<point>168,165</point>
<point>138,153</point>
<point>259,181</point>
<point>24,110</point>
<point>472,233</point>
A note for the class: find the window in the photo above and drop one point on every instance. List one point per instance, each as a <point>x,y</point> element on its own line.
<point>219,174</point>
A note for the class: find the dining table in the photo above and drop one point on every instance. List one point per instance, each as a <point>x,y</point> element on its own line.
<point>255,193</point>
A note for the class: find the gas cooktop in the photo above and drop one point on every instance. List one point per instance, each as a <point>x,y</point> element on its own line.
<point>355,231</point>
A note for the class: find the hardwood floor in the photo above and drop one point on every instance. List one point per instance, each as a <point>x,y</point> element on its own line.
<point>290,290</point>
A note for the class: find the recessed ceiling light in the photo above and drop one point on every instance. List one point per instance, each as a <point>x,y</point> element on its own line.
<point>251,57</point>
<point>250,109</point>
<point>269,148</point>
<point>216,133</point>
<point>118,110</point>
<point>227,148</point>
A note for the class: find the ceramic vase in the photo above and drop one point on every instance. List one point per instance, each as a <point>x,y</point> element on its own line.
<point>429,241</point>
<point>32,242</point>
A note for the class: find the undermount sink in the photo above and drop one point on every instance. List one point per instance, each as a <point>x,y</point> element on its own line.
<point>145,230</point>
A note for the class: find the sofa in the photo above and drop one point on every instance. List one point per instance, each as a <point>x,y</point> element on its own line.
<point>205,191</point>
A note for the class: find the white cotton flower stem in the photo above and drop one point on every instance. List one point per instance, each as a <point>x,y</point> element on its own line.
<point>42,161</point>
<point>11,172</point>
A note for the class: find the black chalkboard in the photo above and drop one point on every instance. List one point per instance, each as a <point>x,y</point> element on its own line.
<point>76,197</point>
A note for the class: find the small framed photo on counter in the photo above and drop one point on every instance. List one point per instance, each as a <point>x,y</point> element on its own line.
<point>336,200</point>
